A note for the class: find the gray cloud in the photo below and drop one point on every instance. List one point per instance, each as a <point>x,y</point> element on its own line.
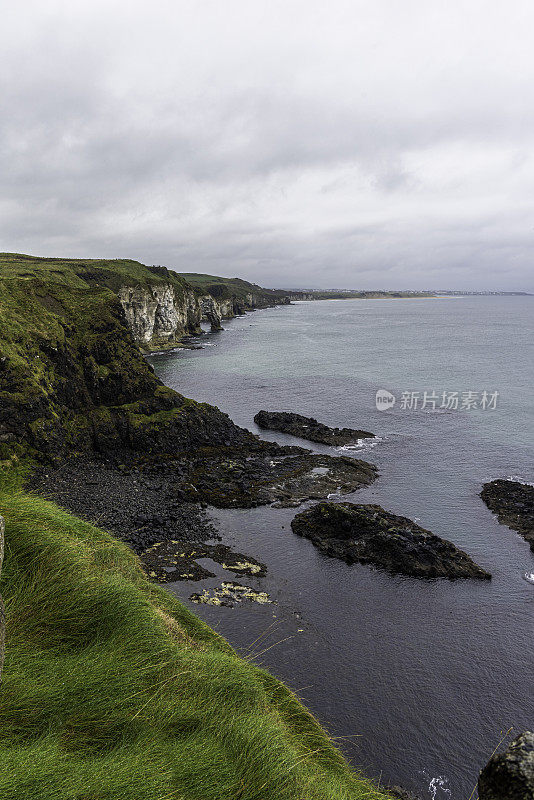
<point>293,143</point>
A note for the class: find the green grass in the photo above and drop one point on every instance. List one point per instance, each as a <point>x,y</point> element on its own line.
<point>224,288</point>
<point>80,273</point>
<point>113,690</point>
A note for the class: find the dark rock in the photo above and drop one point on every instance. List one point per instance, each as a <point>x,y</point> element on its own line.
<point>308,428</point>
<point>246,480</point>
<point>401,794</point>
<point>228,594</point>
<point>370,535</point>
<point>110,498</point>
<point>510,775</point>
<point>513,502</point>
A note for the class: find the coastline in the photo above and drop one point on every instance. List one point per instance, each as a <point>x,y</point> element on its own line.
<point>77,389</point>
<point>88,367</point>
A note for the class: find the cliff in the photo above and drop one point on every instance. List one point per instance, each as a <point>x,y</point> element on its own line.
<point>159,316</point>
<point>72,378</point>
<point>234,296</point>
<point>160,306</point>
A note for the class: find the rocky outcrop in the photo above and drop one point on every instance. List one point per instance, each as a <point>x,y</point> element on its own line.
<point>277,475</point>
<point>370,535</point>
<point>510,775</point>
<point>2,612</point>
<point>308,428</point>
<point>214,310</point>
<point>159,316</point>
<point>513,502</point>
<point>401,794</point>
<point>211,312</point>
<point>175,560</point>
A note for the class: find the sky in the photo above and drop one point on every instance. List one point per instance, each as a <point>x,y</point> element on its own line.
<point>360,144</point>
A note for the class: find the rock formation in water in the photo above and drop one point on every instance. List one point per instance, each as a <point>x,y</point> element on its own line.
<point>308,428</point>
<point>211,312</point>
<point>513,502</point>
<point>510,775</point>
<point>285,477</point>
<point>370,535</point>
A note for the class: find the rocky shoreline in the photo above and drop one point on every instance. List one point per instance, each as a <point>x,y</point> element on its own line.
<point>145,502</point>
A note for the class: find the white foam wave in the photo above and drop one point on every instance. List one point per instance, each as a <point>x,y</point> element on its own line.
<point>360,444</point>
<point>529,576</point>
<point>438,788</point>
<point>519,479</point>
<point>337,493</point>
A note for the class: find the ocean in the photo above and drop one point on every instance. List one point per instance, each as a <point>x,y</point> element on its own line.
<point>419,680</point>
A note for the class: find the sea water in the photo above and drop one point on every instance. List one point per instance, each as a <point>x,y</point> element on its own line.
<point>418,679</point>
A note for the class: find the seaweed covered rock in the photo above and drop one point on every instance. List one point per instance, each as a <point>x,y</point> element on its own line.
<point>282,477</point>
<point>308,428</point>
<point>513,502</point>
<point>370,535</point>
<point>510,775</point>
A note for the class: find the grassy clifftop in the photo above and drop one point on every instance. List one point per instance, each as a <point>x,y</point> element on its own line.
<point>86,273</point>
<point>226,288</point>
<point>112,689</point>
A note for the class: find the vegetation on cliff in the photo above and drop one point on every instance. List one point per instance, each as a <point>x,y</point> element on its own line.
<point>72,378</point>
<point>112,688</point>
<point>242,291</point>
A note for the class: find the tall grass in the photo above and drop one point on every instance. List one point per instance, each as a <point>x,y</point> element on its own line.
<point>113,690</point>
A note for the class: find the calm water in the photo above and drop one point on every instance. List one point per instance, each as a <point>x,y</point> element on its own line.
<point>420,679</point>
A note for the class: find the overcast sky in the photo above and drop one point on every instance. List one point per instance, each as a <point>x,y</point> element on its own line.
<point>376,143</point>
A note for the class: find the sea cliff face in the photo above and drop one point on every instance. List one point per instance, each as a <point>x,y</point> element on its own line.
<point>159,316</point>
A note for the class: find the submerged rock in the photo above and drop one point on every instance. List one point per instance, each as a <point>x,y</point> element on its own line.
<point>174,560</point>
<point>370,535</point>
<point>229,594</point>
<point>513,502</point>
<point>308,428</point>
<point>510,775</point>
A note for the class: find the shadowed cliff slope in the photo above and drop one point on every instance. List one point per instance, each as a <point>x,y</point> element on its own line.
<point>72,377</point>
